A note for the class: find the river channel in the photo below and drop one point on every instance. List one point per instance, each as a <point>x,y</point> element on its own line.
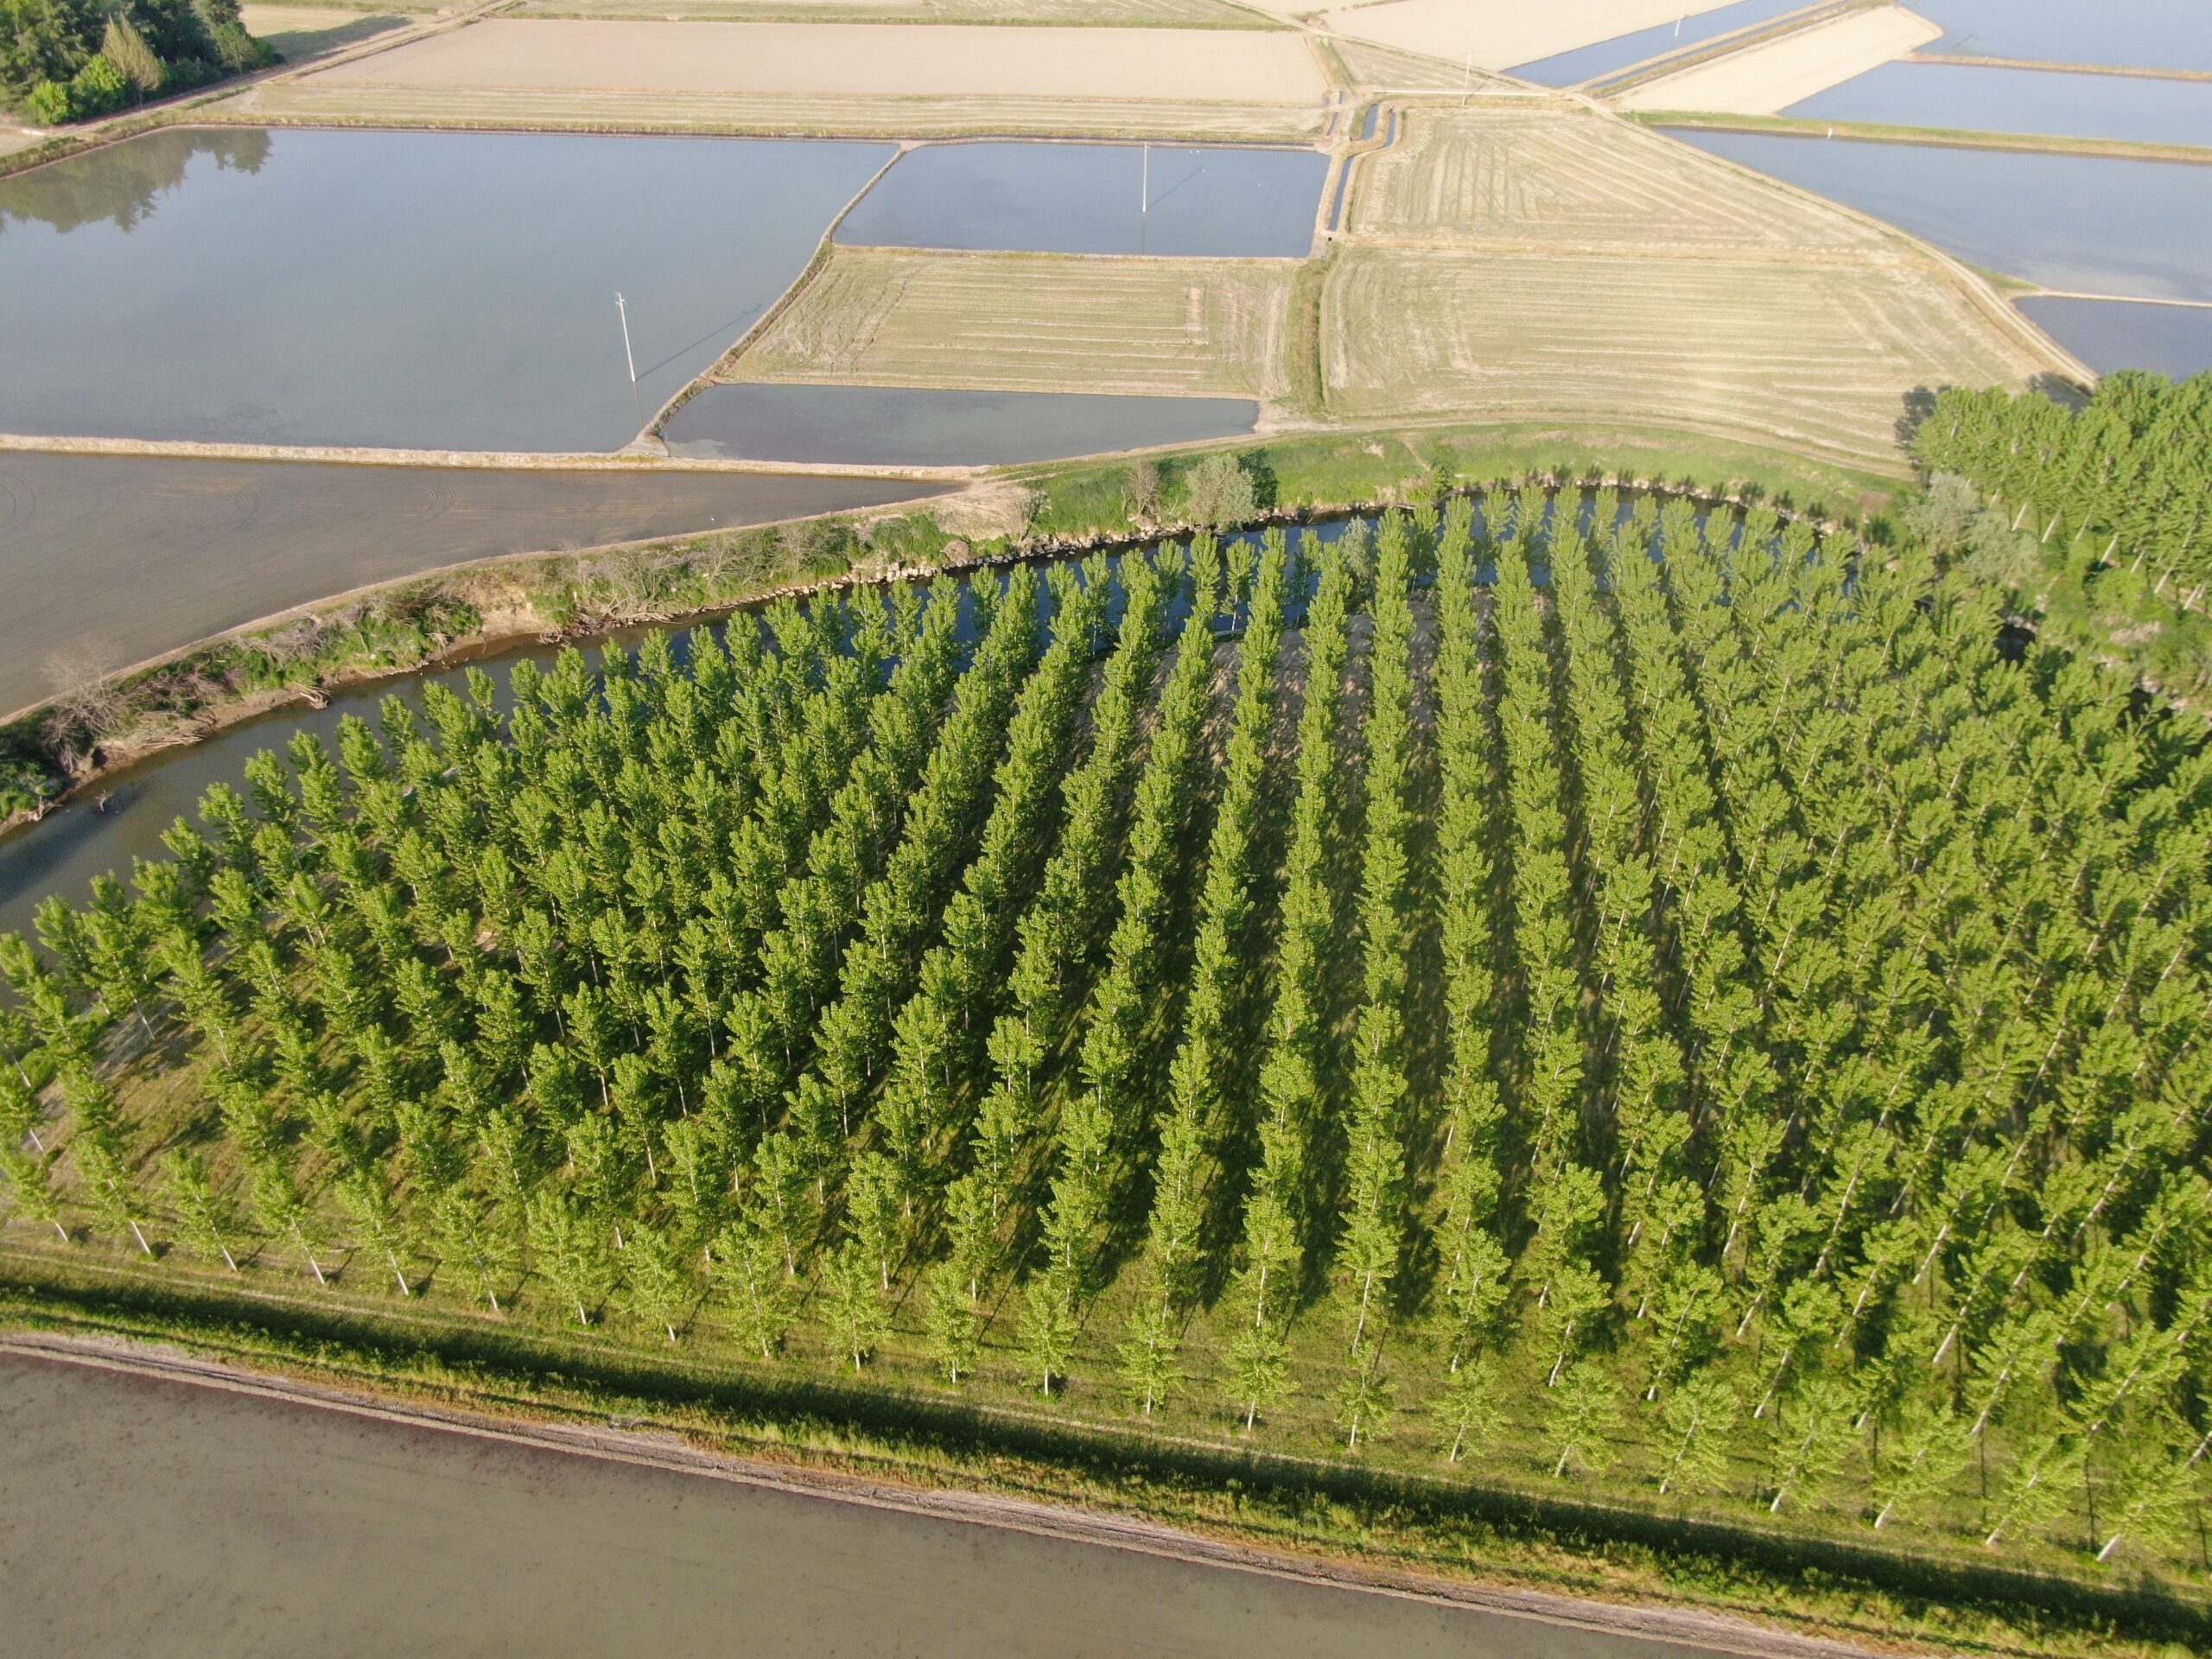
<point>148,1517</point>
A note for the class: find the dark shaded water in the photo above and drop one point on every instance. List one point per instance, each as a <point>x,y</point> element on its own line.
<point>1610,57</point>
<point>2108,335</point>
<point>411,289</point>
<point>903,426</point>
<point>2142,230</point>
<point>107,560</point>
<point>1045,198</point>
<point>2050,102</point>
<point>2127,33</point>
<point>153,1517</point>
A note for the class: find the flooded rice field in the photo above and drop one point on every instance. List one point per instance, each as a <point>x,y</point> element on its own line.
<point>144,1516</point>
<point>2108,335</point>
<point>107,560</point>
<point>902,426</point>
<point>1195,200</point>
<point>2092,225</point>
<point>2126,34</point>
<point>1981,99</point>
<point>412,289</point>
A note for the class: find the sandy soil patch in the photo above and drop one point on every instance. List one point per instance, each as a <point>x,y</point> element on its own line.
<point>299,33</point>
<point>1032,322</point>
<point>1502,33</point>
<point>1176,14</point>
<point>1510,178</point>
<point>1819,356</point>
<point>1767,79</point>
<point>15,138</point>
<point>872,59</point>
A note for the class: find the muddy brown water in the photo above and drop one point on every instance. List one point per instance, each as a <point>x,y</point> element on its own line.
<point>111,560</point>
<point>148,1517</point>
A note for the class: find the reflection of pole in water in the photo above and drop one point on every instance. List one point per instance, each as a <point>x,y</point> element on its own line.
<point>624,312</point>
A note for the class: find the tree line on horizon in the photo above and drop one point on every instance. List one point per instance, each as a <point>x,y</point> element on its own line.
<point>1642,997</point>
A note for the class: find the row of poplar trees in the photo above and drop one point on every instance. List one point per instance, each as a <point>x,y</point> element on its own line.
<point>1640,995</point>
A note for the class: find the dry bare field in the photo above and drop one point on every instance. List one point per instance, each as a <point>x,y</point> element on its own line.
<point>863,59</point>
<point>1032,322</point>
<point>1385,68</point>
<point>1768,78</point>
<point>1172,14</point>
<point>1818,356</point>
<point>1569,180</point>
<point>317,100</point>
<point>299,33</point>
<point>1499,34</point>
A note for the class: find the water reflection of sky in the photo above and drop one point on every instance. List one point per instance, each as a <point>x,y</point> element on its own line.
<point>1057,198</point>
<point>2127,33</point>
<point>2140,230</point>
<point>411,290</point>
<point>1981,98</point>
<point>1608,57</point>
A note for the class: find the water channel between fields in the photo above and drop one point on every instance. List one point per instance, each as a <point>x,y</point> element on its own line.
<point>149,1517</point>
<point>1610,57</point>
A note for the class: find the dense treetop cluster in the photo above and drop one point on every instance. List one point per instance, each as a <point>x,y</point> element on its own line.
<point>1580,991</point>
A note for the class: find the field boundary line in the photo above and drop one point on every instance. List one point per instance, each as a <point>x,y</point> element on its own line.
<point>815,265</point>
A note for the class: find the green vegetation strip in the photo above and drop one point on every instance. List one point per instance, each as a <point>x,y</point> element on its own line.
<point>1706,1029</point>
<point>1342,1514</point>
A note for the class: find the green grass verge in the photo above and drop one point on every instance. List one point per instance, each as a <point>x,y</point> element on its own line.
<point>1351,469</point>
<point>1374,1516</point>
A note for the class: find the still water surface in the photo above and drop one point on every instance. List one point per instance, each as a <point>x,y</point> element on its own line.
<point>2127,33</point>
<point>149,1518</point>
<point>2108,335</point>
<point>1978,99</point>
<point>2139,229</point>
<point>109,560</point>
<point>1608,57</point>
<point>909,426</point>
<point>1209,200</point>
<point>413,290</point>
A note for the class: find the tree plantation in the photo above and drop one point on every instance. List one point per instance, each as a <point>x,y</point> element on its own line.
<point>1640,1000</point>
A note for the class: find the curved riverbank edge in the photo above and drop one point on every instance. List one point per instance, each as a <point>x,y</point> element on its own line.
<point>992,521</point>
<point>1562,1557</point>
<point>664,1450</point>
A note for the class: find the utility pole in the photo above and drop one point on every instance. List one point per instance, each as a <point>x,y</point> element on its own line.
<point>627,355</point>
<point>1145,200</point>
